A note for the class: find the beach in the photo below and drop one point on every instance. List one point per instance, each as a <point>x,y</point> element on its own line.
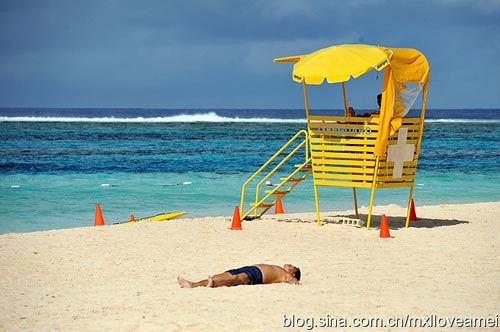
<point>123,277</point>
<point>115,116</point>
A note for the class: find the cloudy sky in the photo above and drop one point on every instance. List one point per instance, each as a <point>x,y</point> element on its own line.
<point>218,53</point>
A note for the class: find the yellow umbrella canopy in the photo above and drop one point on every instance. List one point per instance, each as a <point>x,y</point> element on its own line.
<point>338,63</point>
<point>341,62</point>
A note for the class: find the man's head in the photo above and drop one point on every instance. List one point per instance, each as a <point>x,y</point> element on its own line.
<point>350,111</point>
<point>379,99</point>
<point>293,270</point>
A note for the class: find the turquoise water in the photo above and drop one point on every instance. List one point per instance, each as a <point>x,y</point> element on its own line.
<point>55,168</point>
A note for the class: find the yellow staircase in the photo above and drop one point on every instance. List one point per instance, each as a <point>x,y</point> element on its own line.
<point>262,203</point>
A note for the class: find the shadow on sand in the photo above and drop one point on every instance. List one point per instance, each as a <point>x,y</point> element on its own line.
<point>394,222</point>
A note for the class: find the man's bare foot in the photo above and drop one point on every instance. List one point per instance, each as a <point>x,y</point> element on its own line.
<point>210,282</point>
<point>184,283</point>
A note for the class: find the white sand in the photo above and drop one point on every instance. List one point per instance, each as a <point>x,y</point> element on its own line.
<point>123,277</point>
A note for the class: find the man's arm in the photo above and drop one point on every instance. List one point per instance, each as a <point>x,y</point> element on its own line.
<point>292,280</point>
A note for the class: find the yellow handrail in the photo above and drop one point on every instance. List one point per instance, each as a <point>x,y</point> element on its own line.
<point>276,188</point>
<point>257,190</point>
<point>276,154</point>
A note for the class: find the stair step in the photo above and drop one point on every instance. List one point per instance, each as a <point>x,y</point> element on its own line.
<point>263,205</point>
<point>293,179</point>
<point>306,167</point>
<point>279,192</point>
<point>251,217</point>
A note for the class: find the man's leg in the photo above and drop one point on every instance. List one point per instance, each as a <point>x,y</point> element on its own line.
<point>228,280</point>
<point>189,284</point>
<point>218,280</point>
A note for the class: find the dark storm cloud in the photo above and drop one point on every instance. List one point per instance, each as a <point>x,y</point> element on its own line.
<point>218,53</point>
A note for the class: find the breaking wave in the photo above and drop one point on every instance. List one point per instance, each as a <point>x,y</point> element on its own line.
<point>200,117</point>
<point>463,120</point>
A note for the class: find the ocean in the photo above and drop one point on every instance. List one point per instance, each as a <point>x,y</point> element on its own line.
<point>56,164</point>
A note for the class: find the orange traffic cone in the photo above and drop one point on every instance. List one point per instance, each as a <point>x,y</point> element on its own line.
<point>132,217</point>
<point>98,219</point>
<point>279,207</point>
<point>236,225</point>
<point>384,228</point>
<point>413,214</point>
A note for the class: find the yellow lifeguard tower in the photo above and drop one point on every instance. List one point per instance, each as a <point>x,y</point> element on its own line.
<point>380,151</point>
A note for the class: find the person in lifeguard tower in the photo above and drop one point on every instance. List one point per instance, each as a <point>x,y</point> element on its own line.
<point>379,102</point>
<point>350,112</point>
<point>248,275</point>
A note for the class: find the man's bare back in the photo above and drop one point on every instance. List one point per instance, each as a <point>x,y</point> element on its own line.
<point>248,275</point>
<point>272,274</point>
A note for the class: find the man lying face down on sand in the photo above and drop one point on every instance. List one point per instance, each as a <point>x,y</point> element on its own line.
<point>248,275</point>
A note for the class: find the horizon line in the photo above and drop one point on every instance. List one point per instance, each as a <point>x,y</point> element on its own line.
<point>225,109</point>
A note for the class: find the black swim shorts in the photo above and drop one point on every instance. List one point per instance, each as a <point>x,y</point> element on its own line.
<point>253,273</point>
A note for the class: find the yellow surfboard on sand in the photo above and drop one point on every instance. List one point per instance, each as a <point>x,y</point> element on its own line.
<point>158,217</point>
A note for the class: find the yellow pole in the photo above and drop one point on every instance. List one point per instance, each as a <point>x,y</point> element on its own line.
<point>345,98</point>
<point>372,193</point>
<point>344,94</point>
<point>408,209</point>
<point>355,202</point>
<point>422,117</point>
<point>419,141</point>
<point>316,200</point>
<point>306,102</point>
